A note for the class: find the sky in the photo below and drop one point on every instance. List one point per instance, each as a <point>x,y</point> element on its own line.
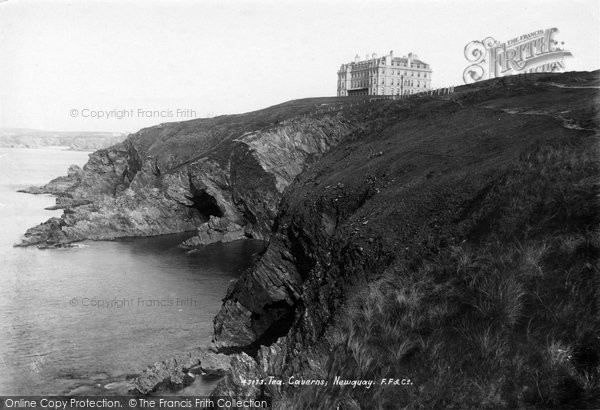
<point>67,65</point>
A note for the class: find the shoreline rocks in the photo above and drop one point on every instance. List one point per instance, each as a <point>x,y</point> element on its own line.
<point>215,230</point>
<point>179,371</point>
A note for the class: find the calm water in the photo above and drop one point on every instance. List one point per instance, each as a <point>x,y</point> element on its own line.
<point>55,334</point>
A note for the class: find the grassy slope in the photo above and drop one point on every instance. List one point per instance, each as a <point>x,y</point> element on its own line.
<point>467,237</point>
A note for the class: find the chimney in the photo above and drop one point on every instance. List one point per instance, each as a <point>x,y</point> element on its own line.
<point>392,53</point>
<point>410,58</point>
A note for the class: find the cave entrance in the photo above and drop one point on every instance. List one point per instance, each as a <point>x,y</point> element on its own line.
<point>205,204</point>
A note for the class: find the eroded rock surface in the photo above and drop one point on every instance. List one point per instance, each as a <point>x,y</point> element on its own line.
<point>223,177</point>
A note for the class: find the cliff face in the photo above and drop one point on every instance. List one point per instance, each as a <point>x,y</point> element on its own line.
<point>439,227</point>
<point>447,241</point>
<point>223,177</point>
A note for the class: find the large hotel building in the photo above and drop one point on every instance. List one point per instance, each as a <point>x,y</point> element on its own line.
<point>387,75</point>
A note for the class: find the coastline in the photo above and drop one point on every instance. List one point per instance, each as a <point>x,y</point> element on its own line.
<point>339,236</point>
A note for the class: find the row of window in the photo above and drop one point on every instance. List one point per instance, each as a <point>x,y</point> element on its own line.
<point>411,83</point>
<point>375,63</point>
<point>369,74</point>
<point>393,91</point>
<point>412,65</point>
<point>394,63</point>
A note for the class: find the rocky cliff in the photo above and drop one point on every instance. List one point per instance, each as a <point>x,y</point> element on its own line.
<point>450,242</point>
<point>222,176</point>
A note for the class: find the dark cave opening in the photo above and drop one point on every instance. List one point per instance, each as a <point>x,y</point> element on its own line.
<point>205,204</point>
<point>275,322</point>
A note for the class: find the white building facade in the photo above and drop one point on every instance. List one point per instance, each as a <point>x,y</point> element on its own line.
<point>387,75</point>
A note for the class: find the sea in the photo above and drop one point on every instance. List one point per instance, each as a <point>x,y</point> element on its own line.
<point>83,319</point>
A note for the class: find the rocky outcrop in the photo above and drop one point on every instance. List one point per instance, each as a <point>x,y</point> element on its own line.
<point>223,177</point>
<point>215,230</point>
<point>179,371</point>
<point>59,185</point>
